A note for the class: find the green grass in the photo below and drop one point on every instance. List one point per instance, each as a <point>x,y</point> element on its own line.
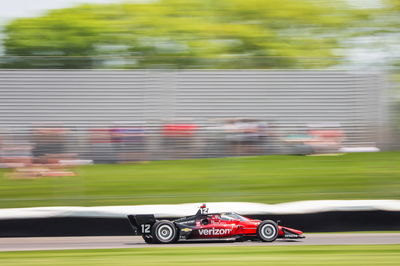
<point>273,255</point>
<point>267,179</point>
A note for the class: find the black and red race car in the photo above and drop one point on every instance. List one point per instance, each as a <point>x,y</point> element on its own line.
<point>204,225</point>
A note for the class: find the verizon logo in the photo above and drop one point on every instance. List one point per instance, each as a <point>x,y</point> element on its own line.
<point>214,232</point>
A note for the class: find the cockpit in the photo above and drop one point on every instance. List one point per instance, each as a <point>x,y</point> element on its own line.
<point>232,216</point>
<point>226,216</point>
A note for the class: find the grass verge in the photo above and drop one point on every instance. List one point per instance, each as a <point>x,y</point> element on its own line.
<point>272,255</point>
<point>266,179</point>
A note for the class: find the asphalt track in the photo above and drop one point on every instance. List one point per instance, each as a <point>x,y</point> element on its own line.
<point>107,242</point>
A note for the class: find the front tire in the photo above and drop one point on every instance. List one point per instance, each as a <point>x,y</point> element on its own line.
<point>164,232</point>
<point>267,231</point>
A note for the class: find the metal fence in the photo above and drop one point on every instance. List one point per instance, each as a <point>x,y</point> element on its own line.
<point>156,114</point>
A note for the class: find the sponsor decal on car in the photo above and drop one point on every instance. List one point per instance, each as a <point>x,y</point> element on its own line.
<point>188,222</point>
<point>214,231</point>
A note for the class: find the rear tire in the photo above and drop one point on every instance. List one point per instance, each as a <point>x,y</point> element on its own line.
<point>164,232</point>
<point>267,231</point>
<point>148,239</point>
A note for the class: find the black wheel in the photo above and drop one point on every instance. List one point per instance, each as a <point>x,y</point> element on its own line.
<point>164,232</point>
<point>148,239</point>
<point>267,231</point>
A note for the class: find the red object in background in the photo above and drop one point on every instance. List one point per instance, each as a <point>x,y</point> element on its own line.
<point>177,130</point>
<point>329,134</point>
<point>100,135</point>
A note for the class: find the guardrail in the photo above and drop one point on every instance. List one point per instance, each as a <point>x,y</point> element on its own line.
<point>309,216</point>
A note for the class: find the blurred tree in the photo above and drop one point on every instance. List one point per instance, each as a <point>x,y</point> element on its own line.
<point>182,34</point>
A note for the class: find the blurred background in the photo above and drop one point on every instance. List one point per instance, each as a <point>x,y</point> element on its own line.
<point>109,102</point>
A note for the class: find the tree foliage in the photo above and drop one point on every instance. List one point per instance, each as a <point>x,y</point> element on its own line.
<point>182,34</point>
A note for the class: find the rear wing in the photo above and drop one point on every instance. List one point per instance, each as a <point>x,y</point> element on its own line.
<point>142,223</point>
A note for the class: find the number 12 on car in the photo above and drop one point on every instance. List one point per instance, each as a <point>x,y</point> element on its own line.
<point>145,228</point>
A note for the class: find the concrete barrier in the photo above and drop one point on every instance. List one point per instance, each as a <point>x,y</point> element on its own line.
<point>310,216</point>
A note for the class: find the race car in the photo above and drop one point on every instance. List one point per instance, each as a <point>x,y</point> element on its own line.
<point>204,225</point>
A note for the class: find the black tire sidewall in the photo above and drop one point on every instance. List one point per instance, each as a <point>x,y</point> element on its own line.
<point>147,239</point>
<point>155,231</point>
<point>270,224</point>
